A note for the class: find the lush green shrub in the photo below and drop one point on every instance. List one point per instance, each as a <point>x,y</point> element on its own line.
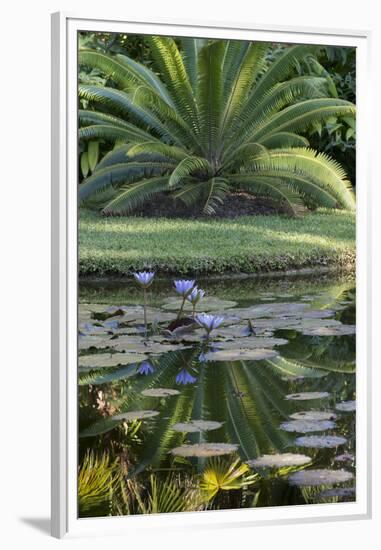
<point>223,116</point>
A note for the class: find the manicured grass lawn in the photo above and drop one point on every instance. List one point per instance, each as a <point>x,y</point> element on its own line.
<point>118,246</point>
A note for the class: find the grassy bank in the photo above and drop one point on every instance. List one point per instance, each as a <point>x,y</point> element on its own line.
<point>118,246</point>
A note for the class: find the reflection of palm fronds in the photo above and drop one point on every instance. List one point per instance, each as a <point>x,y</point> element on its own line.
<point>97,478</point>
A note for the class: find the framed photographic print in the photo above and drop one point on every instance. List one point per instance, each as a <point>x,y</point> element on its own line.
<point>211,275</point>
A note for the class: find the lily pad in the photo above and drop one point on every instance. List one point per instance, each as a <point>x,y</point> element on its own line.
<point>256,354</point>
<point>341,330</point>
<point>135,415</point>
<point>307,396</point>
<point>320,441</point>
<point>98,360</point>
<point>345,457</point>
<point>314,415</point>
<point>319,477</point>
<point>208,303</point>
<point>305,426</point>
<point>346,406</point>
<point>318,314</point>
<point>160,392</point>
<point>204,449</point>
<point>99,342</point>
<point>250,342</point>
<point>139,345</point>
<point>282,460</point>
<point>338,492</point>
<point>197,426</point>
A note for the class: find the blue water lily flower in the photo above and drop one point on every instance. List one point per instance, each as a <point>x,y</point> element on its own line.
<point>184,287</point>
<point>209,322</point>
<point>145,368</point>
<point>196,295</point>
<point>144,278</point>
<point>184,377</point>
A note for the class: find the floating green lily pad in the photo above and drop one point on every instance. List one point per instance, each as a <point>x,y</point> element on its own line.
<point>135,415</point>
<point>250,342</point>
<point>305,426</point>
<point>282,460</point>
<point>341,330</point>
<point>99,342</point>
<point>99,360</point>
<point>160,392</point>
<point>338,492</point>
<point>256,354</point>
<point>314,415</point>
<point>320,441</point>
<point>346,406</point>
<point>307,396</point>
<point>319,477</point>
<point>139,345</point>
<point>318,314</point>
<point>197,426</point>
<point>208,303</point>
<point>345,457</point>
<point>204,449</point>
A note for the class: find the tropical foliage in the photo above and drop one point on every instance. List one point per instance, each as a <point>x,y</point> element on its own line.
<point>220,117</point>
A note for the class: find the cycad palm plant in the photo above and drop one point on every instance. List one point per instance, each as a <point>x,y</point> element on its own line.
<point>220,118</point>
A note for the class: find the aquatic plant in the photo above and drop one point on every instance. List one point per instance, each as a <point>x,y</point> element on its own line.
<point>144,279</point>
<point>184,288</point>
<point>173,494</point>
<point>194,297</point>
<point>209,322</point>
<point>222,475</point>
<point>97,476</point>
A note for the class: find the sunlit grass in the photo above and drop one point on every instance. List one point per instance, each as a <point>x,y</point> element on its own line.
<point>247,244</point>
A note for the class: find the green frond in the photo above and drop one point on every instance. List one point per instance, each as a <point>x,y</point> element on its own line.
<point>209,96</point>
<point>125,72</point>
<point>135,194</point>
<point>256,113</point>
<point>87,117</point>
<point>113,133</point>
<point>240,86</point>
<point>116,156</point>
<point>214,191</point>
<point>245,152</point>
<point>169,152</point>
<point>97,477</point>
<point>191,49</point>
<point>178,129</point>
<point>274,188</point>
<point>318,168</point>
<point>190,166</point>
<point>284,139</point>
<point>171,65</point>
<point>301,116</point>
<point>281,69</point>
<point>169,495</point>
<point>118,174</point>
<point>125,105</point>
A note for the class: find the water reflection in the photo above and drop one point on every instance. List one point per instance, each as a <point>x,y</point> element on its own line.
<point>277,378</point>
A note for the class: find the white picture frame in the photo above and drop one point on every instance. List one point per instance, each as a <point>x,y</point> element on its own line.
<point>64,278</point>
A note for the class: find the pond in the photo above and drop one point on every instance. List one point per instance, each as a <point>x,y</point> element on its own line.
<point>260,413</point>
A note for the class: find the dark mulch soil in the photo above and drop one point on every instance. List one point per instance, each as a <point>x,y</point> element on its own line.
<point>235,205</point>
